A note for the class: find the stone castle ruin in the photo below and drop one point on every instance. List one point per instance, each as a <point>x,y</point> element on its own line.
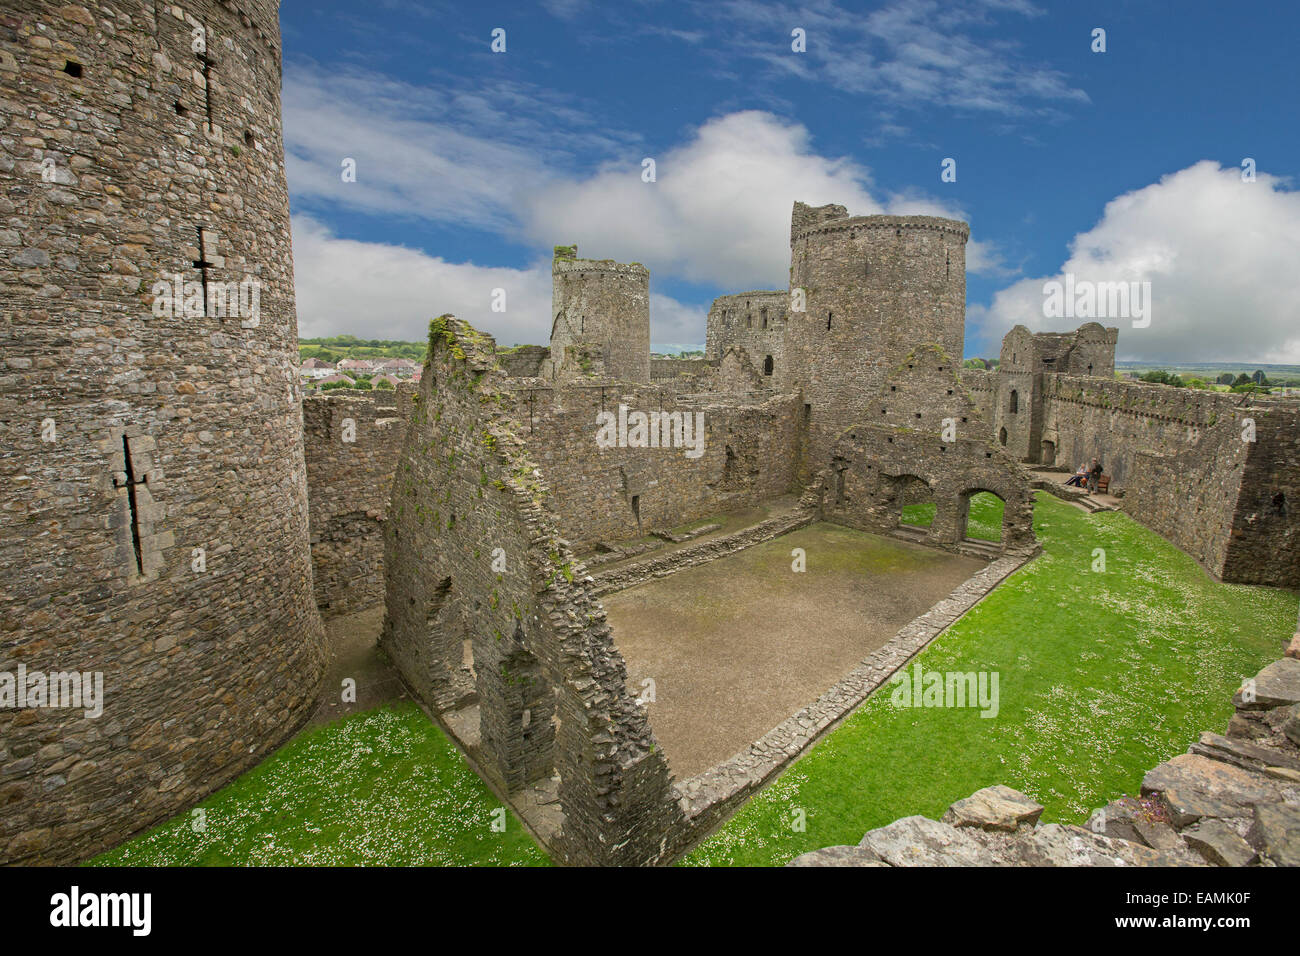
<point>180,517</point>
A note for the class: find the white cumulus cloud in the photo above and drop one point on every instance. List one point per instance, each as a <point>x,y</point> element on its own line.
<point>1220,255</point>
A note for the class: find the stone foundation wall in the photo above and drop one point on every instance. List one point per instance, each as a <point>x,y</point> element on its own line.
<point>352,440</point>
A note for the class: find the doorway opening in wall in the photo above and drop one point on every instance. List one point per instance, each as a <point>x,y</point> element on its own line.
<point>636,511</point>
<point>1002,437</point>
<point>980,516</point>
<point>1013,404</point>
<point>914,501</point>
<point>1049,453</point>
<point>767,365</point>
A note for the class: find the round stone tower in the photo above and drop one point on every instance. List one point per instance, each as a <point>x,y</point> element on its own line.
<point>876,287</point>
<point>602,317</point>
<point>153,534</point>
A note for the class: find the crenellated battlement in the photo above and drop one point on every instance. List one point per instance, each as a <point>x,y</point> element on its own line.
<point>883,223</point>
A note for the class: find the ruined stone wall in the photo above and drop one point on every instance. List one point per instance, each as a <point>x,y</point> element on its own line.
<point>525,361</point>
<point>1177,456</point>
<point>982,386</point>
<point>601,307</point>
<point>669,369</point>
<point>756,322</point>
<point>474,560</point>
<point>1265,544</point>
<point>156,522</point>
<point>352,440</point>
<point>873,468</point>
<point>876,286</point>
<point>750,443</point>
<point>925,393</point>
<point>1228,502</point>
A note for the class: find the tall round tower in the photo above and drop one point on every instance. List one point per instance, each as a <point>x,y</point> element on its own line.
<point>602,312</point>
<point>153,534</point>
<point>876,287</point>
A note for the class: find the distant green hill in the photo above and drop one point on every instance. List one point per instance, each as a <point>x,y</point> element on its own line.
<point>338,347</point>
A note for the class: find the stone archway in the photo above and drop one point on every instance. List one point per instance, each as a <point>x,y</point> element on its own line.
<point>873,466</point>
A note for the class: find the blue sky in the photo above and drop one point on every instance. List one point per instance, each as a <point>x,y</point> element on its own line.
<point>1123,165</point>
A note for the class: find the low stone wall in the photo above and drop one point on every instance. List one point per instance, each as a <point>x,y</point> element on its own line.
<point>709,797</point>
<point>617,579</point>
<point>1229,801</point>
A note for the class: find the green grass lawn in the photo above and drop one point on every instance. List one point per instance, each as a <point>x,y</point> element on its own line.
<point>984,521</point>
<point>1101,677</point>
<point>382,788</point>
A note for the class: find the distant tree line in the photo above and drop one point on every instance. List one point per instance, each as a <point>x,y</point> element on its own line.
<point>1241,383</point>
<point>335,348</point>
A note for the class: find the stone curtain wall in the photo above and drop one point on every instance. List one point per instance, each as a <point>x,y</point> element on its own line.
<point>876,287</point>
<point>466,486</point>
<point>134,440</point>
<point>751,442</point>
<point>1176,454</point>
<point>1188,496</point>
<point>872,469</point>
<point>349,486</point>
<point>1117,420</point>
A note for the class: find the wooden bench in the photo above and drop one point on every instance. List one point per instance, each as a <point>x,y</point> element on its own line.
<point>1103,483</point>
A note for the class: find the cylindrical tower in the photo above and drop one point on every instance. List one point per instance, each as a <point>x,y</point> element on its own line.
<point>876,287</point>
<point>602,312</point>
<point>153,534</point>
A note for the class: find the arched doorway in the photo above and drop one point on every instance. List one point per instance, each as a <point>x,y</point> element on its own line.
<point>1002,436</point>
<point>1049,453</point>
<point>915,502</point>
<point>981,516</point>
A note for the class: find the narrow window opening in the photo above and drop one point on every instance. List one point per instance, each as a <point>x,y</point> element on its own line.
<point>249,139</point>
<point>130,483</point>
<point>72,68</point>
<point>767,365</point>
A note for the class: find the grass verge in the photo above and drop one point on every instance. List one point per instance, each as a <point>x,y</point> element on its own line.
<point>381,788</point>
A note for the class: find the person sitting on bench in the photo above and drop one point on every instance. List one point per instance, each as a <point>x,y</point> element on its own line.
<point>1079,477</point>
<point>1094,476</point>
